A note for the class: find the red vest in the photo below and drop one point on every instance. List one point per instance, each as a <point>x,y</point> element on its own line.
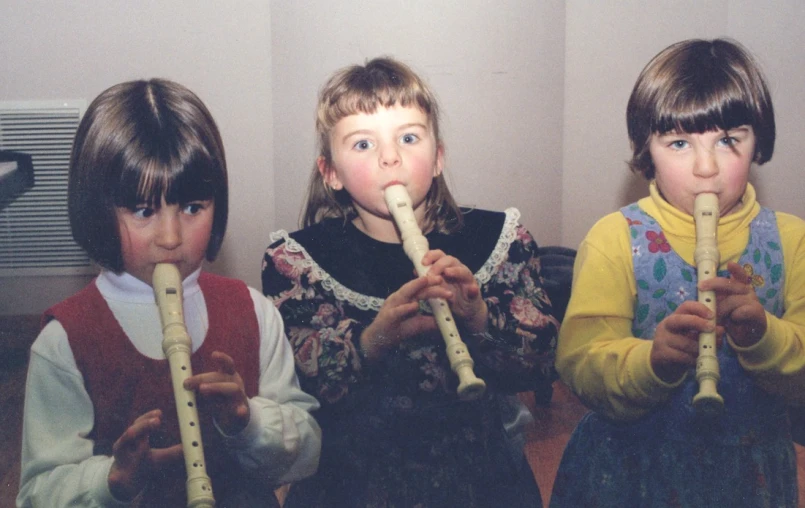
<point>123,384</point>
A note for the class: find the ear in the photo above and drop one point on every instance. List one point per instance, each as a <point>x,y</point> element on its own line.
<point>439,167</point>
<point>328,174</point>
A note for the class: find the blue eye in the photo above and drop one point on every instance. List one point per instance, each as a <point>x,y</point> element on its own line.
<point>409,138</point>
<point>728,141</point>
<point>362,145</point>
<point>679,144</point>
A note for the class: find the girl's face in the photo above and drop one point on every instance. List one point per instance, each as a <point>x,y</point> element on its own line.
<point>372,151</point>
<point>177,234</point>
<point>713,161</point>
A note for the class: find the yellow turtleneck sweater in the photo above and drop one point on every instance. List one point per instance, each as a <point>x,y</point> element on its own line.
<point>609,369</point>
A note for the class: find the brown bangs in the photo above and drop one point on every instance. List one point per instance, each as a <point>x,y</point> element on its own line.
<point>140,141</point>
<point>146,182</point>
<point>696,86</point>
<point>693,118</point>
<point>703,100</point>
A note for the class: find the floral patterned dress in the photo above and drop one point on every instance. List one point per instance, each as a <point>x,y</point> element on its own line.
<point>395,434</point>
<point>673,457</point>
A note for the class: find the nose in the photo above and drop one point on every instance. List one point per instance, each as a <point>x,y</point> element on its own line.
<point>706,165</point>
<point>389,156</point>
<point>169,230</point>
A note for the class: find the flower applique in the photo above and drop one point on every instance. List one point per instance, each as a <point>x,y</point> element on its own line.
<point>756,279</point>
<point>657,242</point>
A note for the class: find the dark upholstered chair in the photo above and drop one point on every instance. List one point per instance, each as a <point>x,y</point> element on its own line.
<point>557,275</point>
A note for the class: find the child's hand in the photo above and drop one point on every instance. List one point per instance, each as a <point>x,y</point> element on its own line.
<point>465,301</point>
<point>676,340</point>
<point>737,306</point>
<point>224,387</point>
<point>399,317</point>
<point>134,459</point>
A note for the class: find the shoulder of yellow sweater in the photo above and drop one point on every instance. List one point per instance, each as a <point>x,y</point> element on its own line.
<point>610,230</point>
<point>792,236</point>
<point>607,244</point>
<point>790,224</point>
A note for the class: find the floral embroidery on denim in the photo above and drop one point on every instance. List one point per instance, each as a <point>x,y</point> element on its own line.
<point>657,242</point>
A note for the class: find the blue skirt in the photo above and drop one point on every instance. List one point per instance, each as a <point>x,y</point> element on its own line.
<point>603,466</point>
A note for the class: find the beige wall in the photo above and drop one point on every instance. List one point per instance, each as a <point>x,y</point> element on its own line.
<point>608,43</point>
<point>534,93</point>
<point>487,63</point>
<point>220,50</point>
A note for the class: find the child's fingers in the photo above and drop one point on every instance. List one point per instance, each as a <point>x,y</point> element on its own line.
<point>685,352</point>
<point>738,310</point>
<point>692,309</point>
<point>224,362</point>
<point>672,355</point>
<point>459,274</point>
<point>738,273</point>
<point>130,453</point>
<point>749,313</point>
<point>720,331</point>
<point>687,324</point>
<point>434,292</point>
<point>680,333</point>
<point>420,288</point>
<point>738,282</point>
<point>432,256</point>
<point>196,380</point>
<point>224,372</point>
<point>408,290</point>
<point>726,287</point>
<point>452,269</point>
<point>140,428</point>
<point>402,311</point>
<point>166,456</point>
<point>223,389</point>
<point>418,325</point>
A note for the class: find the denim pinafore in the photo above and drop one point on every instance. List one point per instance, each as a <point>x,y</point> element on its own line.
<point>672,456</point>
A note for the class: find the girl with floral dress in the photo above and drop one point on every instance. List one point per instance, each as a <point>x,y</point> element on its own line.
<point>366,344</point>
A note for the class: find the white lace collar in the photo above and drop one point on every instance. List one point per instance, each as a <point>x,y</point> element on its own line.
<point>364,302</point>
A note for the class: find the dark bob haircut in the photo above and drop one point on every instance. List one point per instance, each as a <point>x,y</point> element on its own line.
<point>696,86</point>
<point>137,142</point>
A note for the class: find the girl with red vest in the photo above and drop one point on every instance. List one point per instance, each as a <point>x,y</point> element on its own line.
<point>148,185</point>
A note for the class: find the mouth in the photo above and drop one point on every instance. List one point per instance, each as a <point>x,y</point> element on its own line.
<point>393,182</point>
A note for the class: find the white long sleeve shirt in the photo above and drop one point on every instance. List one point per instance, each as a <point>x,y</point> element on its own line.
<point>281,442</point>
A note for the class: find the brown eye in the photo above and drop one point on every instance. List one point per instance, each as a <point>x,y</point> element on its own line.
<point>142,212</point>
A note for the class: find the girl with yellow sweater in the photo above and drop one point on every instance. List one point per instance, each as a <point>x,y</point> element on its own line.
<point>699,116</point>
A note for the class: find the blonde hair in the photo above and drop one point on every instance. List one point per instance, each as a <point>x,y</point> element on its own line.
<point>696,86</point>
<point>381,83</point>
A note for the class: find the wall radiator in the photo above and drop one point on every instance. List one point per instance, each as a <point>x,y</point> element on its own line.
<point>35,236</point>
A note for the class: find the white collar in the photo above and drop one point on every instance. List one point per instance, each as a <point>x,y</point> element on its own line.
<point>126,287</point>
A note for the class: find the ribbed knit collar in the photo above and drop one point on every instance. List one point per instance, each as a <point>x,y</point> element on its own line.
<point>680,230</point>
